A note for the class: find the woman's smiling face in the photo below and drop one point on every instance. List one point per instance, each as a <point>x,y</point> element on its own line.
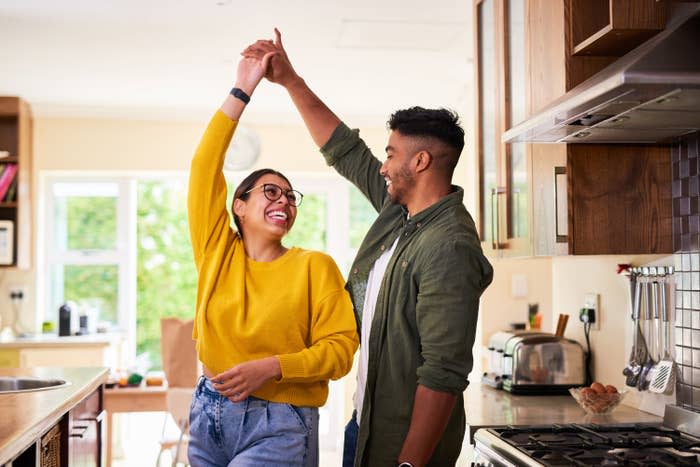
<point>259,215</point>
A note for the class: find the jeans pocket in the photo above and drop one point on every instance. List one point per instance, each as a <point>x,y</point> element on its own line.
<point>304,415</point>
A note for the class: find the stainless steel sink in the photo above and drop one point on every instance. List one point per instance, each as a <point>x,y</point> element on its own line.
<point>27,384</point>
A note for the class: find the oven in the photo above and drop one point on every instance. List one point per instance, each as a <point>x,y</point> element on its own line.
<point>585,445</point>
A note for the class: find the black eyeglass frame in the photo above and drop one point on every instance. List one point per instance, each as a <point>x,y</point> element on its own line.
<point>295,200</point>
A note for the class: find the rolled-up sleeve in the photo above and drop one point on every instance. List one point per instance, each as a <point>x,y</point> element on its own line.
<point>451,283</point>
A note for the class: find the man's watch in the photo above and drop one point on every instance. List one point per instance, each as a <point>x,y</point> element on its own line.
<point>405,464</point>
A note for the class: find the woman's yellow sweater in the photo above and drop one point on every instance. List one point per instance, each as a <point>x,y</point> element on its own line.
<point>294,307</point>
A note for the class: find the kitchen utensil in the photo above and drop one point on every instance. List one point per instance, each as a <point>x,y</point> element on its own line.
<point>561,325</point>
<point>633,368</point>
<point>665,372</point>
<point>648,305</point>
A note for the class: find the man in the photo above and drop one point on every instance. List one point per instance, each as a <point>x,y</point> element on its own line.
<point>415,283</point>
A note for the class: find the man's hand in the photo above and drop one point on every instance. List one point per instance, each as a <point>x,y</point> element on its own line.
<point>242,380</point>
<point>280,70</point>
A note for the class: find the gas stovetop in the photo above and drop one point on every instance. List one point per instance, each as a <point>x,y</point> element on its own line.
<point>586,445</point>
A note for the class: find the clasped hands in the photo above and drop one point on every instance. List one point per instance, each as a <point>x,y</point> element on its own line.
<point>240,381</point>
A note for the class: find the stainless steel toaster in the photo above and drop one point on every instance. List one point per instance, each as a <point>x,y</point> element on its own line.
<point>534,362</point>
<point>543,364</point>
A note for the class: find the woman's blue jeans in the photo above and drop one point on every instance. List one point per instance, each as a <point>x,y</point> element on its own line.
<point>253,432</point>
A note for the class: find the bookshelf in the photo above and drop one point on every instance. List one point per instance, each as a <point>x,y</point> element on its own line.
<point>15,182</point>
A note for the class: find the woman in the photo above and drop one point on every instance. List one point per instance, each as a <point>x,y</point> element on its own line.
<point>272,324</point>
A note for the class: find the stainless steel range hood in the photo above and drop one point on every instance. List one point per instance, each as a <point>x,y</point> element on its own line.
<point>650,95</point>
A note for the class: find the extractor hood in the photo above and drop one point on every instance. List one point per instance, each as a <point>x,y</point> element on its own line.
<point>650,95</point>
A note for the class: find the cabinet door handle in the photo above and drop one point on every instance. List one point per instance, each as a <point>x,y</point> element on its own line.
<point>560,235</point>
<point>496,217</point>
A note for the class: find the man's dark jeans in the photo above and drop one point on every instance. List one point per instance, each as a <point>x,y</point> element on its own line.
<point>350,443</point>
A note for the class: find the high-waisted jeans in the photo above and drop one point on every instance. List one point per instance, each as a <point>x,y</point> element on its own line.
<point>253,432</point>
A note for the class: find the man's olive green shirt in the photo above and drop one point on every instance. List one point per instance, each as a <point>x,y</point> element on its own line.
<point>425,318</point>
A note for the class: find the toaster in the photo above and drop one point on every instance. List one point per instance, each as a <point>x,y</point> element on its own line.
<point>534,362</point>
<point>496,348</point>
<point>543,363</point>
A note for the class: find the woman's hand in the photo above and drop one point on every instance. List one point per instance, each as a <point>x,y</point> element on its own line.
<point>242,380</point>
<point>251,71</point>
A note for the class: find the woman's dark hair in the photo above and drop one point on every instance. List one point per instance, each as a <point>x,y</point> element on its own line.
<point>246,185</point>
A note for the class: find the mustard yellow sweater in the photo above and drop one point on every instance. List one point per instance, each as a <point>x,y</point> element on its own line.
<point>294,307</point>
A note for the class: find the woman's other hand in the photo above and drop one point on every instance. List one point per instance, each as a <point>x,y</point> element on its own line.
<point>242,380</point>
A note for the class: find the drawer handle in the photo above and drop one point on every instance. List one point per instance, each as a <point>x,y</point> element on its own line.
<point>79,431</point>
<point>98,418</point>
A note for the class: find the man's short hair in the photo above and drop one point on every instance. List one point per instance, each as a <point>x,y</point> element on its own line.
<point>441,124</point>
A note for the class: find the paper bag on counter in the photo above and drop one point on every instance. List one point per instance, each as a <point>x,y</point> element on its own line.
<point>180,363</point>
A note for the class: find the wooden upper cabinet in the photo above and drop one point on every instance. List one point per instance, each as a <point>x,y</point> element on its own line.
<point>500,76</point>
<point>15,202</point>
<point>589,199</point>
<point>613,27</point>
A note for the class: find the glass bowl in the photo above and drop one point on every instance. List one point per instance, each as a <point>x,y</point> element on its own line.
<point>594,403</point>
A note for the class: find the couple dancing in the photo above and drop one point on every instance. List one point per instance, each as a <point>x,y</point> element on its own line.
<point>273,324</point>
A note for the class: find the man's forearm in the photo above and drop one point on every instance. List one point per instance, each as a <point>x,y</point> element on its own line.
<point>318,118</point>
<point>431,412</point>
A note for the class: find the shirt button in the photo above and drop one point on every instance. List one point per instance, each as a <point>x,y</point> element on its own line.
<point>418,225</point>
<point>354,271</point>
<point>381,247</point>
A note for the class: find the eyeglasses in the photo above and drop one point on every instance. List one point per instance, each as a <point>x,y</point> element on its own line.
<point>274,192</point>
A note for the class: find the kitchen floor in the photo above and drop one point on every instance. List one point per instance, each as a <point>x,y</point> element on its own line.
<point>137,445</point>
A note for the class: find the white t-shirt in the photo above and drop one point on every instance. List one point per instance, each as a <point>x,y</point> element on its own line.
<point>374,282</point>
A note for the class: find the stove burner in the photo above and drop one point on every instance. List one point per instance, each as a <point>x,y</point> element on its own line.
<point>608,445</point>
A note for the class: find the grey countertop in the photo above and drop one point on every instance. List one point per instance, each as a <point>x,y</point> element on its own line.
<point>26,416</point>
<point>486,407</point>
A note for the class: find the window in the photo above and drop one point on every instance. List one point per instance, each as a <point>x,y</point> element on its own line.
<point>89,258</point>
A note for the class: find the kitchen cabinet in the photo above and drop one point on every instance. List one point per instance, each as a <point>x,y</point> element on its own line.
<point>85,432</point>
<point>589,199</point>
<point>15,204</point>
<point>55,427</point>
<point>504,194</point>
<point>75,441</point>
<point>612,27</point>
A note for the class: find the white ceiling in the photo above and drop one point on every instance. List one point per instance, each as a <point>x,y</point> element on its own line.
<point>176,58</point>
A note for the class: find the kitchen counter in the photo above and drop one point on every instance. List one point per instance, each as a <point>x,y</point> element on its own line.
<point>26,416</point>
<point>486,407</point>
<point>52,340</point>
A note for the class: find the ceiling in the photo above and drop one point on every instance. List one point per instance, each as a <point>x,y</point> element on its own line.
<point>177,58</point>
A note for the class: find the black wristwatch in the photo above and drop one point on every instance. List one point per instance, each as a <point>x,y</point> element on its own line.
<point>405,464</point>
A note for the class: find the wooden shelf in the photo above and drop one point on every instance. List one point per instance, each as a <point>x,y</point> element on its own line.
<point>613,27</point>
<point>16,138</point>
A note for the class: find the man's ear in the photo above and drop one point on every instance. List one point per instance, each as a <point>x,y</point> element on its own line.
<point>239,207</point>
<point>423,160</point>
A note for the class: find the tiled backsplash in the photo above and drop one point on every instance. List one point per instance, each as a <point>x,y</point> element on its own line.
<point>686,244</point>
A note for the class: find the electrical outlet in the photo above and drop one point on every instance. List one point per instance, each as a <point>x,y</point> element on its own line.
<point>591,302</point>
<point>17,292</point>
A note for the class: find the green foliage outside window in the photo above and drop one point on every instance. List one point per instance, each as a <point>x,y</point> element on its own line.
<point>91,222</point>
<point>166,275</point>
